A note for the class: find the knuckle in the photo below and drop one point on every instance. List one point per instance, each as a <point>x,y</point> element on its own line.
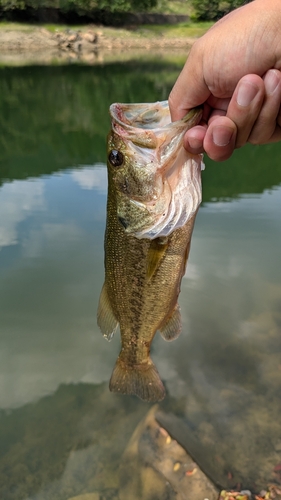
<point>255,141</point>
<point>262,132</point>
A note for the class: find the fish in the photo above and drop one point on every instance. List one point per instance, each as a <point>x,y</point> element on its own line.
<point>154,191</point>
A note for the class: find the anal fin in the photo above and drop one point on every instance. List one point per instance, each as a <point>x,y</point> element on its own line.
<point>172,328</point>
<point>140,380</point>
<point>105,316</point>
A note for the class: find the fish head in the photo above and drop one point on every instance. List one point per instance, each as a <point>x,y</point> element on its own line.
<point>149,169</point>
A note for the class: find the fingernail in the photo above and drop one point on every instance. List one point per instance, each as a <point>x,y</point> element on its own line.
<point>222,136</point>
<point>246,93</point>
<point>271,81</point>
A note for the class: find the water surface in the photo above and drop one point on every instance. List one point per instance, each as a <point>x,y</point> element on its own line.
<point>61,432</point>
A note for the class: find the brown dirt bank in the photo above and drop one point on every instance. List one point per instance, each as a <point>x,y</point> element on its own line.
<point>90,44</point>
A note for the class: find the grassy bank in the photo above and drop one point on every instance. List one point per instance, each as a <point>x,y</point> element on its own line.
<point>185,30</point>
<point>188,29</point>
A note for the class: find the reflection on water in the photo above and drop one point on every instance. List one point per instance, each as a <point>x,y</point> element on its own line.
<point>61,432</point>
<point>232,367</point>
<point>51,257</point>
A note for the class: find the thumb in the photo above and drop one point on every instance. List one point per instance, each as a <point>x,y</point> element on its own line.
<point>190,89</point>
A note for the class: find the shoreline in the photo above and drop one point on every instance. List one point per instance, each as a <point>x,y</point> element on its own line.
<point>91,44</point>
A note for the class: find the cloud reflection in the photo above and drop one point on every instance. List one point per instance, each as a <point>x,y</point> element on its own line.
<point>91,177</point>
<point>18,199</point>
<point>49,294</point>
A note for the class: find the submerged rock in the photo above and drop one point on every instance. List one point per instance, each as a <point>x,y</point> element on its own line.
<point>154,466</point>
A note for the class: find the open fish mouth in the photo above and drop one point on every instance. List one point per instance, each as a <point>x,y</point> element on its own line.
<point>163,180</point>
<point>144,115</point>
<point>150,116</point>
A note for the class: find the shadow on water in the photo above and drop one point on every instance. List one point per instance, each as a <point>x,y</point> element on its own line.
<point>61,436</point>
<point>67,443</point>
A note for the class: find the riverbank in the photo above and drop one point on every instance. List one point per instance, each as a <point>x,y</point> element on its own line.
<point>23,44</point>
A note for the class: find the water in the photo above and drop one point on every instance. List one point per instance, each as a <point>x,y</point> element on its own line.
<point>61,432</point>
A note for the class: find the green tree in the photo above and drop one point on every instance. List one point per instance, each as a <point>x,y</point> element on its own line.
<point>211,10</point>
<point>126,5</point>
<point>84,6</point>
<point>206,10</point>
<point>12,4</point>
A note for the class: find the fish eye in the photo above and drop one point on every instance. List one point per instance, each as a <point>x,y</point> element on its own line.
<point>116,158</point>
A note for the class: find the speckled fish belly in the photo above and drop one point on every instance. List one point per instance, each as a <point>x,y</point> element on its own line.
<point>154,191</point>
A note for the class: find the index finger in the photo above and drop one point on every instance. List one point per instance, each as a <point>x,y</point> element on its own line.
<point>190,89</point>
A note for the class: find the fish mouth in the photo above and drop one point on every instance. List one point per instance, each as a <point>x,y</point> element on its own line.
<point>151,116</point>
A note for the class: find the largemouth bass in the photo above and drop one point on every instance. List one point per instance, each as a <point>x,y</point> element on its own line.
<point>154,191</point>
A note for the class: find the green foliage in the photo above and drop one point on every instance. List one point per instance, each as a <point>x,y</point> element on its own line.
<point>126,5</point>
<point>81,6</point>
<point>210,10</point>
<point>12,4</point>
<point>205,10</point>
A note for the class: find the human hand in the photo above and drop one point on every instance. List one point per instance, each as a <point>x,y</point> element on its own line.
<point>229,71</point>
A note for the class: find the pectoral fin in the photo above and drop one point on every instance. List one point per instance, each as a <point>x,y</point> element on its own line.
<point>172,328</point>
<point>106,319</point>
<point>155,254</point>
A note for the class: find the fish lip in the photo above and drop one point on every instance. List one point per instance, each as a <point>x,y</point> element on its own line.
<point>117,113</point>
<point>191,113</point>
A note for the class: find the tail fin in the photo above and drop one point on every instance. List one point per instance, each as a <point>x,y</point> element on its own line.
<point>140,380</point>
